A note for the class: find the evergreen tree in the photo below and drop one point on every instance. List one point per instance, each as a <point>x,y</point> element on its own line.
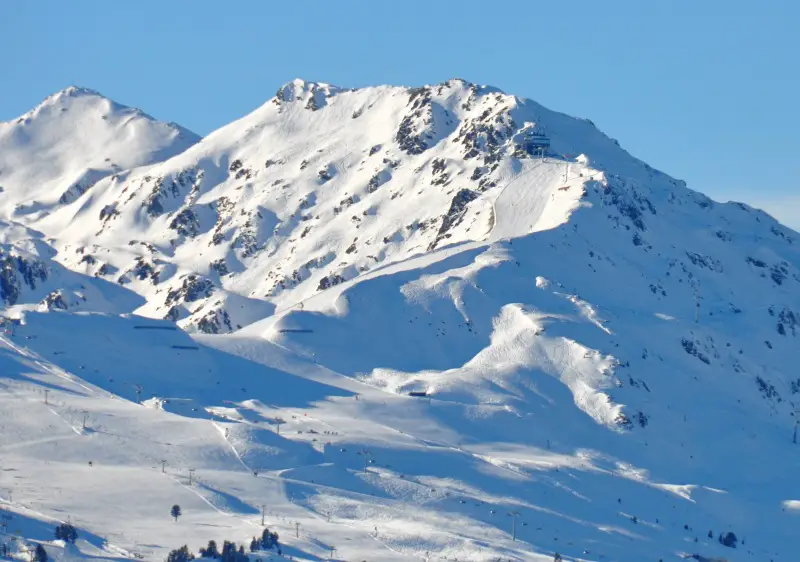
<point>231,554</point>
<point>40,555</point>
<point>254,545</point>
<point>66,532</point>
<point>181,554</point>
<point>210,551</point>
<point>268,540</point>
<point>728,539</point>
<point>175,511</point>
<point>228,550</point>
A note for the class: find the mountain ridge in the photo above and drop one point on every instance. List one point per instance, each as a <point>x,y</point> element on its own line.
<point>489,138</point>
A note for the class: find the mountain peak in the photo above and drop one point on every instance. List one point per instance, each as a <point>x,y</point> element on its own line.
<point>75,91</point>
<point>68,95</point>
<point>71,140</point>
<point>314,94</point>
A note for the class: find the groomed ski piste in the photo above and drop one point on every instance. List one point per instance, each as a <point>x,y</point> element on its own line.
<point>595,364</point>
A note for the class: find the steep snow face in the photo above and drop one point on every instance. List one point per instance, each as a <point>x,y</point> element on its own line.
<point>321,185</point>
<point>636,277</point>
<point>53,154</point>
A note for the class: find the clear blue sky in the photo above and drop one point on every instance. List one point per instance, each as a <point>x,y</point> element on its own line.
<point>706,90</point>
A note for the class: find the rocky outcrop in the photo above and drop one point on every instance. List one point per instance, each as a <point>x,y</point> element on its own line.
<point>18,272</point>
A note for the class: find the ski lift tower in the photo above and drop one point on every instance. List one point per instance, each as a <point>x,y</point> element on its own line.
<point>567,159</point>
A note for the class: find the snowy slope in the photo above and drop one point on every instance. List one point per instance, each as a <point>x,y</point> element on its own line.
<point>607,357</point>
<point>317,186</point>
<point>30,279</point>
<point>72,140</point>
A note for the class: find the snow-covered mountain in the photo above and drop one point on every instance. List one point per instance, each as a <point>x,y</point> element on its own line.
<point>451,313</point>
<point>53,154</point>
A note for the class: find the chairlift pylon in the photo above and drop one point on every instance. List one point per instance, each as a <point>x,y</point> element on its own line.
<point>567,158</point>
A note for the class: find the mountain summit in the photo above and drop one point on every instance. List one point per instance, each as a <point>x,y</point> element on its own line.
<point>74,138</point>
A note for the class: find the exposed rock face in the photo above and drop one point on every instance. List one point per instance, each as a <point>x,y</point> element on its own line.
<point>455,214</point>
<point>192,288</point>
<point>18,272</point>
<point>54,300</point>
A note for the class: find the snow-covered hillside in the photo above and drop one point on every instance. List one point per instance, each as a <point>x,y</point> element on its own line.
<point>462,326</point>
<point>73,139</point>
<point>31,280</point>
<point>316,187</point>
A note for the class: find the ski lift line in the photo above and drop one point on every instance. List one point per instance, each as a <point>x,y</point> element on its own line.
<point>352,526</point>
<point>509,184</point>
<point>205,500</point>
<point>519,177</point>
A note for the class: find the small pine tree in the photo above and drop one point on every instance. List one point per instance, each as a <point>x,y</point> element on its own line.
<point>228,549</point>
<point>231,554</point>
<point>728,539</point>
<point>269,540</point>
<point>254,545</point>
<point>181,554</point>
<point>66,532</point>
<point>210,551</point>
<point>40,555</point>
<point>266,540</point>
<point>175,511</point>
